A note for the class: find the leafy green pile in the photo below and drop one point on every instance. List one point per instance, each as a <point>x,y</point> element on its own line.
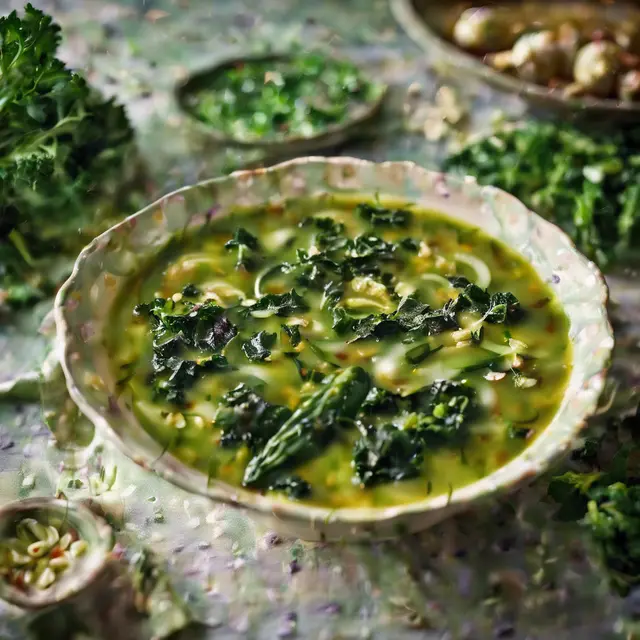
<point>301,96</point>
<point>178,328</point>
<point>607,503</point>
<point>436,416</point>
<point>62,147</point>
<point>587,184</point>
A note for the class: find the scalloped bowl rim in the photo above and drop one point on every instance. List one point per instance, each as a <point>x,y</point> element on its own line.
<point>518,471</point>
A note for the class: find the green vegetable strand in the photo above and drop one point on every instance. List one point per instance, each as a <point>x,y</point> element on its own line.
<point>313,425</point>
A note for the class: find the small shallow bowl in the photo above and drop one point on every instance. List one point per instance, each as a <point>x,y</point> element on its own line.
<point>91,528</point>
<point>332,136</point>
<point>103,268</point>
<point>430,22</point>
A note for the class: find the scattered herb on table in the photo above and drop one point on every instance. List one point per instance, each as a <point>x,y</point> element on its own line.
<point>300,96</point>
<point>66,158</point>
<point>606,501</point>
<point>587,184</point>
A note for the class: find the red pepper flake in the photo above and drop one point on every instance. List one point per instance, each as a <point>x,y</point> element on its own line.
<point>56,552</point>
<point>551,326</point>
<point>502,457</point>
<point>18,581</point>
<point>342,356</point>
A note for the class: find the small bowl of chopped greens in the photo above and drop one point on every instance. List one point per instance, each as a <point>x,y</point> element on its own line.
<point>292,103</point>
<point>349,349</point>
<point>50,550</point>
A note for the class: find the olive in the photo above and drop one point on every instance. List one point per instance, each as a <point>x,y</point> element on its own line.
<point>629,86</point>
<point>484,29</point>
<point>596,67</point>
<point>537,57</point>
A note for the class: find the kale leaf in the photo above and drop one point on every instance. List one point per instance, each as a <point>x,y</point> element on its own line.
<point>247,246</point>
<point>258,347</point>
<point>382,401</point>
<point>293,331</point>
<point>181,326</point>
<point>183,374</point>
<point>382,217</point>
<point>386,454</point>
<point>442,411</point>
<point>278,304</point>
<point>294,487</point>
<point>497,308</point>
<point>246,418</point>
<point>202,326</point>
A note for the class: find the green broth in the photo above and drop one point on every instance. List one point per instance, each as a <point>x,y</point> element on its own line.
<point>534,353</point>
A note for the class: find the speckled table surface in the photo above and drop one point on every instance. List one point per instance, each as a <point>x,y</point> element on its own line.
<point>510,571</point>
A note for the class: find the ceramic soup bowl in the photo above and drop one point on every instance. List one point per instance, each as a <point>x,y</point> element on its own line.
<point>83,307</point>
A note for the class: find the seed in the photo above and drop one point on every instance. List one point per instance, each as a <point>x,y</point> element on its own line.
<point>65,541</point>
<point>46,579</point>
<point>18,559</point>
<point>78,548</point>
<point>59,563</point>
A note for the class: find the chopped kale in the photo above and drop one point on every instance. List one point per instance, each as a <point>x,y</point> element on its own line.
<point>497,308</point>
<point>258,347</point>
<point>293,331</point>
<point>503,308</point>
<point>246,418</point>
<point>278,304</point>
<point>190,291</point>
<point>203,326</point>
<point>181,326</point>
<point>442,411</point>
<point>330,236</point>
<point>386,454</point>
<point>382,401</point>
<point>183,375</point>
<point>382,217</point>
<point>294,487</point>
<point>247,246</point>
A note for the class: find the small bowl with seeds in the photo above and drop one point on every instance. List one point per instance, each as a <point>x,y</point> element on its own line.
<point>50,550</point>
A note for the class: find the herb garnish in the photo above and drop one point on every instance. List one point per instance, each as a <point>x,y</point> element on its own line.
<point>587,184</point>
<point>300,96</point>
<point>278,304</point>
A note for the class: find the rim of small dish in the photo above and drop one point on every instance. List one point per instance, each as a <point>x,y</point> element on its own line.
<point>421,32</point>
<point>533,461</point>
<point>92,564</point>
<point>332,135</point>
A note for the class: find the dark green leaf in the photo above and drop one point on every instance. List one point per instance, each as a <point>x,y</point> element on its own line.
<point>258,347</point>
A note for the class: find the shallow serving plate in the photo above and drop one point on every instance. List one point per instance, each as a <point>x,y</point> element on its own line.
<point>430,23</point>
<point>91,528</point>
<point>332,136</point>
<point>84,302</point>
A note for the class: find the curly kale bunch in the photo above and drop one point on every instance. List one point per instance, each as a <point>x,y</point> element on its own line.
<point>62,147</point>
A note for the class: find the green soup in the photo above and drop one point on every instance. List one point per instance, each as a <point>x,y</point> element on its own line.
<point>341,352</point>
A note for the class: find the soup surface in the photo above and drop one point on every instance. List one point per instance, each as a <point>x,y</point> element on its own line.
<point>342,352</point>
